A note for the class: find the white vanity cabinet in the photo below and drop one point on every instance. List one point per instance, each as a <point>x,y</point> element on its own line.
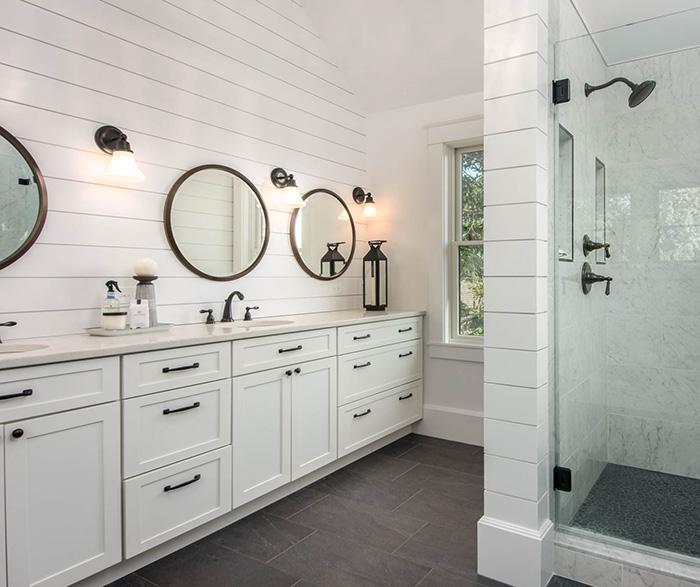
<point>284,426</point>
<point>63,501</point>
<point>3,557</point>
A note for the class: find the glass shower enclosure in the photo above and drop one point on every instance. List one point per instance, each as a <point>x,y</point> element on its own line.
<point>627,365</point>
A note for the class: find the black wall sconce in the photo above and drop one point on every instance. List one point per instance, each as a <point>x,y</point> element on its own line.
<point>291,195</point>
<point>332,258</point>
<point>369,209</point>
<point>122,166</point>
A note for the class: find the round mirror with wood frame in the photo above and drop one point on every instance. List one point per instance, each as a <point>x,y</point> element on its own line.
<point>23,200</point>
<point>216,222</point>
<point>322,235</point>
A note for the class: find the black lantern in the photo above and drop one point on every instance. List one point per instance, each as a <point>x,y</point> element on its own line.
<point>374,277</point>
<point>332,258</point>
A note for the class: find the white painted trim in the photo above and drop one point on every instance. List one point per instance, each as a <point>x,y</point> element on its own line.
<point>452,424</point>
<point>453,351</point>
<point>128,566</point>
<point>465,133</point>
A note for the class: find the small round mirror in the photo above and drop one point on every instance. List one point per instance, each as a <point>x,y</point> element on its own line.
<point>23,201</point>
<point>216,222</point>
<point>322,234</point>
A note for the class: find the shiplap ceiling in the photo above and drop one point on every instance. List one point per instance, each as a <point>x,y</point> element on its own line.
<point>633,29</point>
<point>403,52</point>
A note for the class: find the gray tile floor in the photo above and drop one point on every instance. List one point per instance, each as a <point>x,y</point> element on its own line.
<point>646,507</point>
<point>405,515</point>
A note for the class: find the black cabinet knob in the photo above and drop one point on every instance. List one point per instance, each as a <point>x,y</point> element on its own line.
<point>297,370</point>
<point>17,433</point>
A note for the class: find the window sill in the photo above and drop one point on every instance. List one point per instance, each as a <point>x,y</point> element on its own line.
<point>455,351</point>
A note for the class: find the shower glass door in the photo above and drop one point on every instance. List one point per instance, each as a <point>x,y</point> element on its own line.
<point>627,364</point>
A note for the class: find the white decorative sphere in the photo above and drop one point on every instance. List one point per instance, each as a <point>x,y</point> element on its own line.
<point>145,266</point>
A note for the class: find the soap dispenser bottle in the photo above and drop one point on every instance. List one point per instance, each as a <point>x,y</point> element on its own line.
<point>113,318</point>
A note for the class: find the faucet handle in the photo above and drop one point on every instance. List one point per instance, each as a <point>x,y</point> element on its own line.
<point>210,315</point>
<point>247,316</point>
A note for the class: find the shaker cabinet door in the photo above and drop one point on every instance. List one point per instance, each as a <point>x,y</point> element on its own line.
<point>63,496</point>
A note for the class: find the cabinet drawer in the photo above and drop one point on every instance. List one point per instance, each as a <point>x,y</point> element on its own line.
<point>169,426</point>
<point>368,372</point>
<point>374,334</point>
<point>168,502</point>
<point>258,354</point>
<point>363,422</point>
<point>144,373</point>
<point>33,391</point>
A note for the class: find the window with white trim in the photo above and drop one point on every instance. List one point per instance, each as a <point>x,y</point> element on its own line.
<point>467,250</point>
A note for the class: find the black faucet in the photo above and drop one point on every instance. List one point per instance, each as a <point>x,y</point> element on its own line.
<point>588,278</point>
<point>247,316</point>
<point>227,306</point>
<point>9,323</point>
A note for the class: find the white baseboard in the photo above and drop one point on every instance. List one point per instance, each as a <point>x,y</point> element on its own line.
<point>515,555</point>
<point>451,424</point>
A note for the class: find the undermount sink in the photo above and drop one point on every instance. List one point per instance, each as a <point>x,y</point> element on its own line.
<point>20,348</point>
<point>253,324</point>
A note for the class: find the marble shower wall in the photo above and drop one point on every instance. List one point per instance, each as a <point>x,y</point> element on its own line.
<point>580,323</point>
<point>653,316</point>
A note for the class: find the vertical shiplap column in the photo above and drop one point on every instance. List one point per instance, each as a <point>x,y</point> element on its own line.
<point>515,532</point>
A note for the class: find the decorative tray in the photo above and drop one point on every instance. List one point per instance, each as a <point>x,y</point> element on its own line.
<point>128,331</point>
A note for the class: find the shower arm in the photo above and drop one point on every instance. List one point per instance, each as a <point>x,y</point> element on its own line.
<point>588,88</point>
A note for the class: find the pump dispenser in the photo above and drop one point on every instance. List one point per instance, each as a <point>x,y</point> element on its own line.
<point>113,318</point>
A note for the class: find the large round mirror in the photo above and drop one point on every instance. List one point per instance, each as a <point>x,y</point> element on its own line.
<point>216,222</point>
<point>323,235</point>
<point>22,199</point>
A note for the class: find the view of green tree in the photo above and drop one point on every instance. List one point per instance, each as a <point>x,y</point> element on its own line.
<point>471,257</point>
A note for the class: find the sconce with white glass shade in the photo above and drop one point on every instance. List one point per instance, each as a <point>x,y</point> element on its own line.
<point>291,195</point>
<point>122,166</point>
<point>365,199</point>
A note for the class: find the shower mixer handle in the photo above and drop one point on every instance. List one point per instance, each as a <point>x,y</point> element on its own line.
<point>588,278</point>
<point>591,245</point>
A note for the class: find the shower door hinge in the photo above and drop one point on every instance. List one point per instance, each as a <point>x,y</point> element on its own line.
<point>562,479</point>
<point>561,91</point>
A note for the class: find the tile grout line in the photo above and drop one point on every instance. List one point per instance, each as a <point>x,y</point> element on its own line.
<point>406,500</point>
<point>406,471</point>
<point>425,577</point>
<point>290,547</point>
<point>289,519</point>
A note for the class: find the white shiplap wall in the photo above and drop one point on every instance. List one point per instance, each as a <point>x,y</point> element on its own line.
<point>243,83</point>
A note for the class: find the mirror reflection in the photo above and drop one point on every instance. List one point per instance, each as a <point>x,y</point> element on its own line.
<point>323,235</point>
<point>216,222</point>
<point>22,199</point>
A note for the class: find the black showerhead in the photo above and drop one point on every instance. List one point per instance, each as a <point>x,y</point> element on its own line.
<point>640,92</point>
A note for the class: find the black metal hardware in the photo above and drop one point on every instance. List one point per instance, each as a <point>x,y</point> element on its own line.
<point>288,372</point>
<point>226,316</point>
<point>408,354</point>
<point>588,278</point>
<point>185,368</point>
<point>368,411</point>
<point>562,479</point>
<point>375,275</point>
<point>367,364</point>
<point>281,179</point>
<point>210,315</point>
<point>401,330</point>
<point>247,316</point>
<point>296,348</point>
<point>110,139</point>
<point>639,93</point>
<point>297,370</point>
<point>333,258</point>
<point>17,433</point>
<point>167,411</point>
<point>23,393</point>
<point>24,181</point>
<point>402,397</point>
<point>196,478</point>
<point>591,245</point>
<point>8,323</point>
<point>363,337</point>
<point>561,91</point>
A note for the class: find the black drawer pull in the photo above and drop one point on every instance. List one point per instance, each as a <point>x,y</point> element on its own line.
<point>296,348</point>
<point>363,337</point>
<point>24,393</point>
<point>408,354</point>
<point>401,330</point>
<point>196,478</point>
<point>368,411</point>
<point>367,364</point>
<point>405,396</point>
<point>167,411</point>
<point>185,368</point>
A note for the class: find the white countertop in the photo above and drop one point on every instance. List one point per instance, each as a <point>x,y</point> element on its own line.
<point>83,346</point>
